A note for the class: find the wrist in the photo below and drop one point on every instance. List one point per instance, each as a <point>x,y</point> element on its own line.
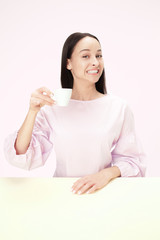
<point>111,172</point>
<point>32,112</point>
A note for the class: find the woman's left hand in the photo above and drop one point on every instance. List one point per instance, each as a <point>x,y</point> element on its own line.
<point>93,182</point>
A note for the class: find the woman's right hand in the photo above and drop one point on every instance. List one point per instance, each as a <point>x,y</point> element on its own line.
<point>39,98</point>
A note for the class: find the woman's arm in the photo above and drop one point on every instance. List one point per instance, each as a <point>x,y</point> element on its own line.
<point>30,147</point>
<point>38,100</point>
<point>128,153</point>
<point>25,133</point>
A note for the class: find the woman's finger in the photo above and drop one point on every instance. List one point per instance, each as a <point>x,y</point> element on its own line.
<point>92,189</point>
<point>85,188</point>
<point>45,93</point>
<point>80,180</point>
<point>77,186</point>
<point>44,90</point>
<point>82,185</point>
<point>38,102</point>
<point>43,97</point>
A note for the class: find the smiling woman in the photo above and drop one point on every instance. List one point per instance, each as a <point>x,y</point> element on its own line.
<point>86,63</point>
<point>82,53</point>
<point>93,136</point>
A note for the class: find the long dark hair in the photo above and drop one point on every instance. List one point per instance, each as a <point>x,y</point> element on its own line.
<point>66,75</point>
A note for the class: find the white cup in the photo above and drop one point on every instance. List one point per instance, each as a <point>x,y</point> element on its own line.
<point>62,96</point>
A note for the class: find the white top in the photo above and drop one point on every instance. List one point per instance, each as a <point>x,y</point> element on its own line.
<point>87,136</point>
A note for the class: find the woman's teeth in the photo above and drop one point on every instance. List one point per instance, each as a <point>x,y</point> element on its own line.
<point>93,71</point>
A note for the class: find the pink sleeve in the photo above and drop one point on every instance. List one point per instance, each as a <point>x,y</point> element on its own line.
<point>39,149</point>
<point>128,155</point>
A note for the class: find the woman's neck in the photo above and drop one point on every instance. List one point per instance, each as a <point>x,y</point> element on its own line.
<point>85,94</point>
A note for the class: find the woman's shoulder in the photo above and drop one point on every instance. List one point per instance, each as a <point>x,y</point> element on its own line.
<point>115,99</point>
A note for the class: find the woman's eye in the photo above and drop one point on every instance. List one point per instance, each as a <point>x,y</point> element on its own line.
<point>86,56</point>
<point>99,56</point>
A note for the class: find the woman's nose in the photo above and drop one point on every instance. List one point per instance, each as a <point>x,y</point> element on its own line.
<point>95,62</point>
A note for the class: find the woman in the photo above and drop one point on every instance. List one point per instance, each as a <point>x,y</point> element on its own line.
<point>93,137</point>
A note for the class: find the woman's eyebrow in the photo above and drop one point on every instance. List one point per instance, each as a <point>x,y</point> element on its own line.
<point>99,50</point>
<point>85,50</point>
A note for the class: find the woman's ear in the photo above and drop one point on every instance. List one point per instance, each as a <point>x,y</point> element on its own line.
<point>69,64</point>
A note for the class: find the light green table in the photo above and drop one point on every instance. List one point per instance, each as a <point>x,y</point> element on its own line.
<point>46,209</point>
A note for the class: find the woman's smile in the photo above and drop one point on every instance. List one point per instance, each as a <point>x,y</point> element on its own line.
<point>93,72</point>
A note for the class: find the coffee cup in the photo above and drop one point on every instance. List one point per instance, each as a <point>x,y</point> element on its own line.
<point>62,96</point>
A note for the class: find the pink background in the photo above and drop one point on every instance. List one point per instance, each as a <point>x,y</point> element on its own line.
<point>32,34</point>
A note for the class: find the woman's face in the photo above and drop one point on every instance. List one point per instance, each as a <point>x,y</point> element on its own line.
<point>86,62</point>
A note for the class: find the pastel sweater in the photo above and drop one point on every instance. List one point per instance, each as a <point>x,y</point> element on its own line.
<point>87,136</point>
